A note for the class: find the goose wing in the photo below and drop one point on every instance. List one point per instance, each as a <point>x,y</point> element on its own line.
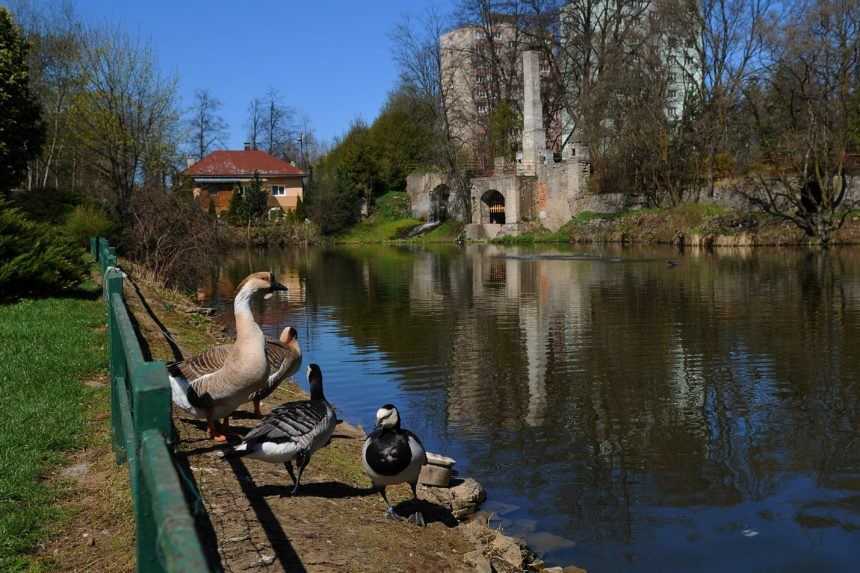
<point>291,422</point>
<point>283,363</point>
<point>203,364</point>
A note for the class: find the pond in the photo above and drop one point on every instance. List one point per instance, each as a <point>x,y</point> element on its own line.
<point>627,410</point>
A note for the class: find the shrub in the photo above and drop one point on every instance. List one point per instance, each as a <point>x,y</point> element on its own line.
<point>171,236</point>
<point>36,258</point>
<point>87,221</point>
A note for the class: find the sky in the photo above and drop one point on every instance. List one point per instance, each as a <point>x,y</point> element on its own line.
<point>330,60</point>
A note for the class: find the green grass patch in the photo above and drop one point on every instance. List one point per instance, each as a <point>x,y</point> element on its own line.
<point>49,346</point>
<point>447,232</point>
<point>539,235</point>
<point>390,221</point>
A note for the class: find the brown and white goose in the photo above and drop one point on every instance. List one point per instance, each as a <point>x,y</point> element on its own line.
<point>213,394</point>
<point>285,359</point>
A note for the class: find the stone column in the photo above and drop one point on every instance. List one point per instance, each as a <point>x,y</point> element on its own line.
<point>534,136</point>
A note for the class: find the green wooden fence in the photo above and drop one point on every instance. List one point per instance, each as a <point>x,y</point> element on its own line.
<point>167,540</point>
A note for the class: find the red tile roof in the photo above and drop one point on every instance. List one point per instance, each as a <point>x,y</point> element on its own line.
<point>238,163</point>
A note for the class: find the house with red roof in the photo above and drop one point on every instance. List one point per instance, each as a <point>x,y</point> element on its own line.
<point>218,175</point>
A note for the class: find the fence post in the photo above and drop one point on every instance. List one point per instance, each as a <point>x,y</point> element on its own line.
<point>118,367</point>
<point>152,406</point>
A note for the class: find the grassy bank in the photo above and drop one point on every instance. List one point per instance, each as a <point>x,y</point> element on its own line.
<point>49,347</point>
<point>692,224</point>
<point>390,220</point>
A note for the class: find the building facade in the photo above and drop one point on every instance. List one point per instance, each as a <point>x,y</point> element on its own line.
<point>219,175</point>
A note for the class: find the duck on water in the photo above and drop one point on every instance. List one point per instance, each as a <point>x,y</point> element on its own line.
<point>212,384</point>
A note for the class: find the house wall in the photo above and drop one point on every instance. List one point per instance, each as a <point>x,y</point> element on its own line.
<point>222,193</point>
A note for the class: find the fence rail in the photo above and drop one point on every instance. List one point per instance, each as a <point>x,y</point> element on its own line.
<point>142,432</point>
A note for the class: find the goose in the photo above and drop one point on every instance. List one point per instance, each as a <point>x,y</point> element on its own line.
<point>392,455</point>
<point>285,358</point>
<point>205,390</point>
<point>292,431</point>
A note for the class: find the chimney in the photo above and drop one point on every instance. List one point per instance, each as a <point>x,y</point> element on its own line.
<point>247,146</point>
<point>189,161</point>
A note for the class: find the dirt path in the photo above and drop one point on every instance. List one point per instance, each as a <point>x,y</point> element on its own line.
<point>335,523</point>
<point>98,533</point>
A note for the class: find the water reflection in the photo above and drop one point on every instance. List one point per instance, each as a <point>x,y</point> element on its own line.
<point>633,415</point>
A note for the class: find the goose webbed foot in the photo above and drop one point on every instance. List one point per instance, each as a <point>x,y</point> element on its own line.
<point>417,518</point>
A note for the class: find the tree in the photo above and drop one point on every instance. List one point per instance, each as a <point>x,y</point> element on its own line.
<point>255,122</point>
<point>418,54</point>
<point>806,117</point>
<point>277,132</point>
<point>207,130</point>
<point>56,80</point>
<point>125,120</point>
<point>249,203</point>
<point>21,128</point>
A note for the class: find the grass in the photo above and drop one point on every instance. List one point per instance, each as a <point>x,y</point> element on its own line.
<point>390,221</point>
<point>49,346</point>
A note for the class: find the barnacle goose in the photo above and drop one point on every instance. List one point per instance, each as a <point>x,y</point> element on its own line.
<point>392,455</point>
<point>293,431</point>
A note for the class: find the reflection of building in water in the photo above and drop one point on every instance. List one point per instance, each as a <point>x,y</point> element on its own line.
<point>549,302</point>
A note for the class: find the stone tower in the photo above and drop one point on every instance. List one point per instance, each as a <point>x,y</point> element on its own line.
<point>534,135</point>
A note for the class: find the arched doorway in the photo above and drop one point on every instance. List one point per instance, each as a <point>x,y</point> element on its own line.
<point>493,208</point>
<point>439,203</point>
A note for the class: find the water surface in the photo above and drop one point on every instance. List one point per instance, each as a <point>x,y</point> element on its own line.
<point>624,414</point>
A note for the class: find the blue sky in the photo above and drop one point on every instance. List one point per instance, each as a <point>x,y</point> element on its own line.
<point>329,59</point>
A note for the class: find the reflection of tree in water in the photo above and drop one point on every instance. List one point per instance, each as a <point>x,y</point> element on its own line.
<point>604,391</point>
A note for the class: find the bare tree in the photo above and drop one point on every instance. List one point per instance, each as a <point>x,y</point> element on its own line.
<point>255,122</point>
<point>124,114</point>
<point>206,129</point>
<point>419,57</point>
<point>806,117</point>
<point>278,131</point>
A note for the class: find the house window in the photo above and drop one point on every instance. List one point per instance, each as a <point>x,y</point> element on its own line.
<point>278,191</point>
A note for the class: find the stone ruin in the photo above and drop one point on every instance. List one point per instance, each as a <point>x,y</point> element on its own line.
<point>536,190</point>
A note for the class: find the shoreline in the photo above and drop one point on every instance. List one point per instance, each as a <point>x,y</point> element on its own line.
<point>194,329</point>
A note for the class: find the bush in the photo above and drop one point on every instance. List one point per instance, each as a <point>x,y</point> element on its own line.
<point>87,221</point>
<point>171,236</point>
<point>35,258</point>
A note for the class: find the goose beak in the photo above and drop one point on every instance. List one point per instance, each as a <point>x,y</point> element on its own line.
<point>276,286</point>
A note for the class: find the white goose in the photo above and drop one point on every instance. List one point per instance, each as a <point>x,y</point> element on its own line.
<point>213,394</point>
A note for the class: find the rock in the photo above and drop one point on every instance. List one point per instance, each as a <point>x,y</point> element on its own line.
<point>573,569</point>
<point>553,570</point>
<point>437,476</point>
<point>477,561</point>
<point>462,499</point>
<point>507,555</point>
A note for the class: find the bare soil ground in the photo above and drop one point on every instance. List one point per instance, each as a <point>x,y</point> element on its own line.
<point>334,523</point>
<point>98,533</point>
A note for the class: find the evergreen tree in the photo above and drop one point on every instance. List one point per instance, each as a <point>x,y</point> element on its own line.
<point>21,128</point>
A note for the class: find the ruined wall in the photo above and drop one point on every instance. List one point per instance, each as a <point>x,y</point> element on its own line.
<point>419,185</point>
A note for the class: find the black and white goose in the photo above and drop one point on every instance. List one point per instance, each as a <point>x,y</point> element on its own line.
<point>292,431</point>
<point>392,455</point>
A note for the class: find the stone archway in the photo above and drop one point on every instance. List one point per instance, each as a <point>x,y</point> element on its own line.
<point>492,208</point>
<point>439,203</point>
